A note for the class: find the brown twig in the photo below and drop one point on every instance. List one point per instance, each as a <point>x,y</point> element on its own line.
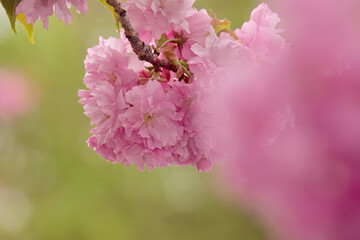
<point>143,51</point>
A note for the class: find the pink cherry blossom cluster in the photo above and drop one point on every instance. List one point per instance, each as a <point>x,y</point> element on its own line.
<point>142,118</point>
<point>152,118</point>
<point>43,9</point>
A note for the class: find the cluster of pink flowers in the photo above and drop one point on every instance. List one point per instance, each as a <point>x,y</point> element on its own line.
<point>43,9</point>
<point>144,117</point>
<point>141,117</point>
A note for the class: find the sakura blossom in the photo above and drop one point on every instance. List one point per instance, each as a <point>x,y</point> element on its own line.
<point>153,116</point>
<point>159,16</point>
<point>42,9</point>
<point>261,35</point>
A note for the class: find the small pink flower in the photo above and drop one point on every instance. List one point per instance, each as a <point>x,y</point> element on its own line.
<point>199,28</point>
<point>152,116</point>
<point>112,61</point>
<point>261,36</point>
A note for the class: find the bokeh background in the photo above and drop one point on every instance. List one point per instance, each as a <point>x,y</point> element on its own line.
<point>52,186</point>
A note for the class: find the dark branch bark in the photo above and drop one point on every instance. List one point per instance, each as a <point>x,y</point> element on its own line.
<point>143,51</point>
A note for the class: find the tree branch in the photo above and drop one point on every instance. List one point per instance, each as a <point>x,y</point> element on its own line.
<point>143,51</point>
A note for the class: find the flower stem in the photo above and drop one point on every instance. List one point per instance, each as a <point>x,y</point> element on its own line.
<point>143,51</point>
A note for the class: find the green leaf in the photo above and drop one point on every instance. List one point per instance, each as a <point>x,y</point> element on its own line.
<point>222,26</point>
<point>28,27</point>
<point>161,41</point>
<point>219,25</point>
<point>169,47</point>
<point>111,9</point>
<point>171,55</point>
<point>10,8</point>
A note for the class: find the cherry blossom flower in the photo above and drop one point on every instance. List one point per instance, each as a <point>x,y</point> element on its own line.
<point>152,116</point>
<point>159,16</point>
<point>112,61</point>
<point>261,36</point>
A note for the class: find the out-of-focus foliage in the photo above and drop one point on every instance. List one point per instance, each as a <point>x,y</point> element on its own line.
<point>28,27</point>
<point>10,7</point>
<point>54,187</point>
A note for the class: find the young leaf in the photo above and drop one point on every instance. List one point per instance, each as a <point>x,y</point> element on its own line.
<point>170,55</point>
<point>161,41</point>
<point>111,9</point>
<point>28,27</point>
<point>222,26</point>
<point>10,8</point>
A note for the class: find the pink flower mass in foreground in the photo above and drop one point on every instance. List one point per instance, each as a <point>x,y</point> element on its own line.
<point>293,131</point>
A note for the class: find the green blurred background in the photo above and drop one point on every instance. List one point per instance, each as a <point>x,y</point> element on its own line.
<point>52,186</point>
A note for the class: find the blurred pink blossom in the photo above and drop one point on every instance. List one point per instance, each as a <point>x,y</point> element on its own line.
<point>293,131</point>
<point>16,94</point>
